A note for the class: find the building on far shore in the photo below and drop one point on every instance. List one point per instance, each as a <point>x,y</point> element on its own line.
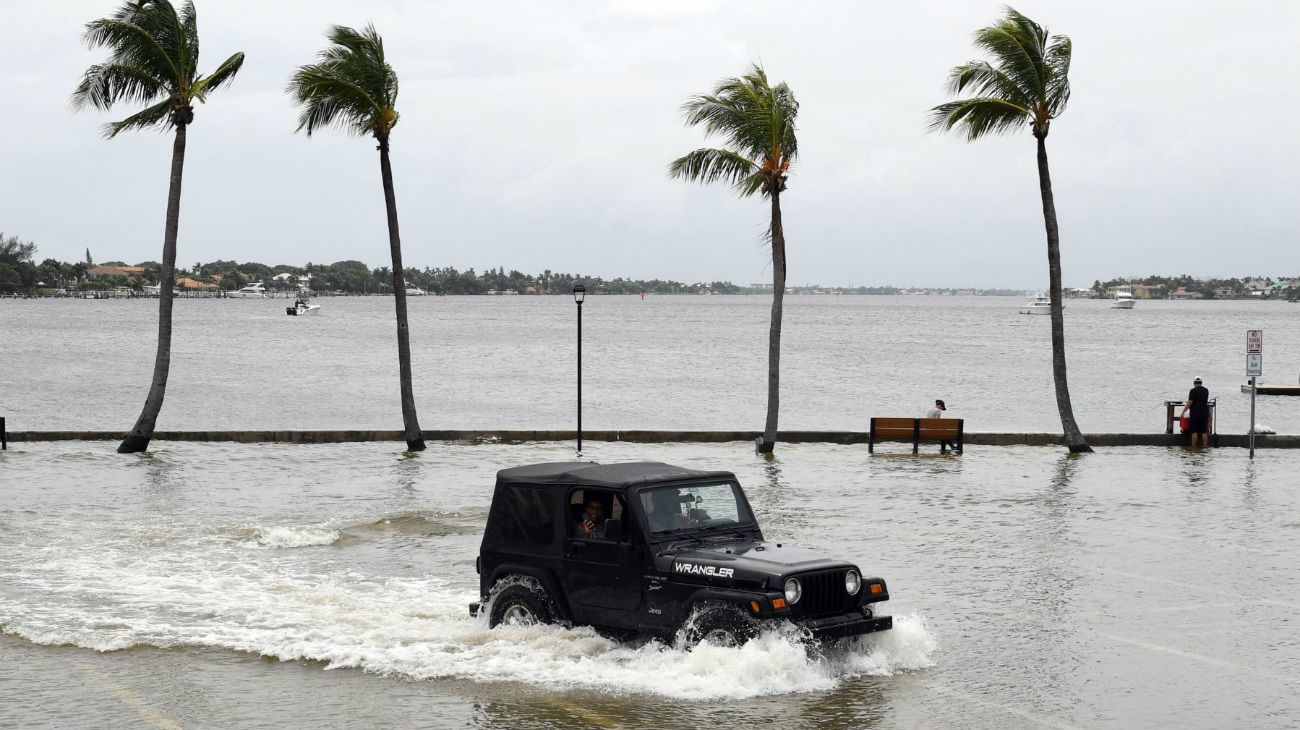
<point>122,271</point>
<point>188,283</point>
<point>1182,293</point>
<point>1139,291</point>
<point>1225,292</point>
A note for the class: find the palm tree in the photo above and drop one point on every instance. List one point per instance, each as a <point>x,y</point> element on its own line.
<point>352,86</point>
<point>153,59</point>
<point>1027,85</point>
<point>755,121</point>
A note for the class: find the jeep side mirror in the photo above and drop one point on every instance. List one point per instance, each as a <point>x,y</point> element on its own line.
<point>614,529</point>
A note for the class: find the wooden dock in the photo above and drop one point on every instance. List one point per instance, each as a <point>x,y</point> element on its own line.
<point>1263,389</point>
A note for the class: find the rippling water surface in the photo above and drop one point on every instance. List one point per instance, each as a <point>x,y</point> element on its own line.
<point>683,362</point>
<point>269,586</point>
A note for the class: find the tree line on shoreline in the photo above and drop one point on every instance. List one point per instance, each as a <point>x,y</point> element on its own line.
<point>1022,85</point>
<point>342,277</point>
<point>1159,287</point>
<point>20,275</point>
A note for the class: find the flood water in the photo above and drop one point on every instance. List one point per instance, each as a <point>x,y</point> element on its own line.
<point>273,586</point>
<point>665,362</point>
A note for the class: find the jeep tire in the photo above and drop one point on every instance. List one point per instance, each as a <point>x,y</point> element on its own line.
<point>521,603</point>
<point>720,624</point>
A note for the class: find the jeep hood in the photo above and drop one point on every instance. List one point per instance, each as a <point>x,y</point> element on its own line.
<point>746,560</point>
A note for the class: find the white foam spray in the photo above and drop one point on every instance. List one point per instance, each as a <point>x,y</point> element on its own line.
<point>213,591</point>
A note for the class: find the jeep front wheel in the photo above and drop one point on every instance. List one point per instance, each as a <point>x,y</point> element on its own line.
<point>521,604</point>
<point>720,625</point>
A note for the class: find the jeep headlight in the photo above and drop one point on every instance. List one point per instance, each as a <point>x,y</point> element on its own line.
<point>793,591</point>
<point>852,582</point>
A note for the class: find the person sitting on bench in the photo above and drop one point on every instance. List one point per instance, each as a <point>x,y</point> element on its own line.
<point>937,412</point>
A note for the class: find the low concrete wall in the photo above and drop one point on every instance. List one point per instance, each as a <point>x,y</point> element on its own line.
<point>1262,441</point>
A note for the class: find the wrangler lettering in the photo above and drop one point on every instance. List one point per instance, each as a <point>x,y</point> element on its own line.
<point>710,570</point>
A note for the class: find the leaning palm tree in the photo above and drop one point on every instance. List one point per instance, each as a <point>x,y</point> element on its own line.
<point>352,86</point>
<point>1026,85</point>
<point>755,121</point>
<point>153,59</point>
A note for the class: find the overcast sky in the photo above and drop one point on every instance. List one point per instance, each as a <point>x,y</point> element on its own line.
<point>537,135</point>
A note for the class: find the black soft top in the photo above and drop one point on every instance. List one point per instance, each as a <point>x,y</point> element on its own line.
<point>612,476</point>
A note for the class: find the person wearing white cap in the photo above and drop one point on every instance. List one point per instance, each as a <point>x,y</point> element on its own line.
<point>1198,401</point>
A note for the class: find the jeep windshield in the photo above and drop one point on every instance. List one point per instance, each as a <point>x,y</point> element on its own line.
<point>670,509</point>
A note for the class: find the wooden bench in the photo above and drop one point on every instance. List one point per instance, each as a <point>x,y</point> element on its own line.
<point>944,430</point>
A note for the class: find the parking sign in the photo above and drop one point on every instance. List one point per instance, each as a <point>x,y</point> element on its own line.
<point>1254,342</point>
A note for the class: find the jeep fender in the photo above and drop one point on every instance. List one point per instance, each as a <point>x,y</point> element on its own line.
<point>543,576</point>
<point>709,594</point>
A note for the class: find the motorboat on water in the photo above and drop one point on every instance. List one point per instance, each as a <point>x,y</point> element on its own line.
<point>1038,305</point>
<point>1123,299</point>
<point>252,291</point>
<point>301,307</point>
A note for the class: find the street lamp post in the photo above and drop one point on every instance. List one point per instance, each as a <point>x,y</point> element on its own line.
<point>579,293</point>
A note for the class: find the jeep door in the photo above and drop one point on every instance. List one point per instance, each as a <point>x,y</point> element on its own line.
<point>602,576</point>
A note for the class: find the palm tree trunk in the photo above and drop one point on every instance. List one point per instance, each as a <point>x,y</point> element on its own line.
<point>768,443</point>
<point>1073,437</point>
<point>138,439</point>
<point>410,425</point>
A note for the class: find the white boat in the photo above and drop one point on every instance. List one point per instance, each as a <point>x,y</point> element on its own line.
<point>302,307</point>
<point>415,291</point>
<point>252,291</point>
<point>1038,305</point>
<point>1123,299</point>
<point>155,290</point>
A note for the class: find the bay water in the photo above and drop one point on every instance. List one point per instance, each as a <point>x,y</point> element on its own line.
<point>663,362</point>
<point>215,585</point>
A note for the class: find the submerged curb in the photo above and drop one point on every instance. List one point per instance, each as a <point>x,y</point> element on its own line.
<point>1262,441</point>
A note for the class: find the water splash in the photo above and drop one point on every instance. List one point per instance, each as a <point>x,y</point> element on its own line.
<point>268,603</point>
<point>292,537</point>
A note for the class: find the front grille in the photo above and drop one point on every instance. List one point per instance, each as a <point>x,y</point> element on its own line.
<point>823,594</point>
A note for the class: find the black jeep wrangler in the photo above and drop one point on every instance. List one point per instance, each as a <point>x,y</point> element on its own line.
<point>650,548</point>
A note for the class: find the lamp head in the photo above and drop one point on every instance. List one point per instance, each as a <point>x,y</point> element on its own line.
<point>579,293</point>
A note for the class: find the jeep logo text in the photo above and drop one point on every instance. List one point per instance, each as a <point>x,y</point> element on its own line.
<point>710,570</point>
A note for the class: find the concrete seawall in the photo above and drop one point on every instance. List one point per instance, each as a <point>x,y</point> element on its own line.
<point>1276,441</point>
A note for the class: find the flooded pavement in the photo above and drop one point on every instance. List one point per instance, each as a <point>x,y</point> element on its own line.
<point>222,585</point>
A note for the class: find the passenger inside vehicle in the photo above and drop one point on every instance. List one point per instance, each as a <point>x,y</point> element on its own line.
<point>591,521</point>
<point>590,509</point>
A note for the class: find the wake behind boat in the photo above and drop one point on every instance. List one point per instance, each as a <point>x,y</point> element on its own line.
<point>301,307</point>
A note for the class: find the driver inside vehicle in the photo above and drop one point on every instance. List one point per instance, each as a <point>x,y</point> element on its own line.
<point>664,509</point>
<point>697,515</point>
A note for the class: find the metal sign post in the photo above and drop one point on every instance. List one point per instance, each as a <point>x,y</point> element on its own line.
<point>1254,369</point>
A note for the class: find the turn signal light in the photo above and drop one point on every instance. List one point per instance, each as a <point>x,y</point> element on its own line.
<point>877,588</point>
<point>754,605</point>
<point>778,603</point>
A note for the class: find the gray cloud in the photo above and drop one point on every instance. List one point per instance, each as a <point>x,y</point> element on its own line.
<point>536,135</point>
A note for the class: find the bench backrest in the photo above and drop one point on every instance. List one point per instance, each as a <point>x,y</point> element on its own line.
<point>940,428</point>
<point>892,428</point>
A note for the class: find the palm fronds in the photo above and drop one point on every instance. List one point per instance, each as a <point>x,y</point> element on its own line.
<point>155,115</point>
<point>153,53</point>
<point>713,165</point>
<point>1025,84</point>
<point>221,77</point>
<point>351,85</point>
<point>756,123</point>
